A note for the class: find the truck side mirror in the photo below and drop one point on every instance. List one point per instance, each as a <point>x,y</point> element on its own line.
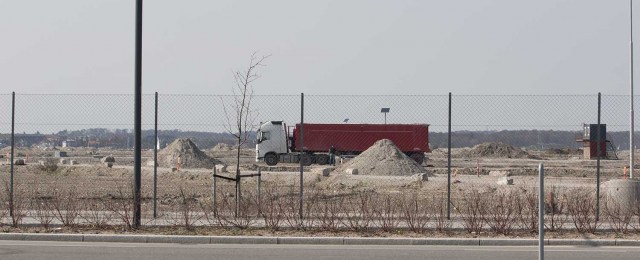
<point>259,137</point>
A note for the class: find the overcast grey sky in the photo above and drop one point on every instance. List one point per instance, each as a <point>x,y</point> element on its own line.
<point>319,47</point>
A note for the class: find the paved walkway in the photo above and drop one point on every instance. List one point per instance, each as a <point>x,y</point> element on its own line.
<point>311,240</point>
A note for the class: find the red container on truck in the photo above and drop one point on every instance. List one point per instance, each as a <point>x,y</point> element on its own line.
<point>346,139</point>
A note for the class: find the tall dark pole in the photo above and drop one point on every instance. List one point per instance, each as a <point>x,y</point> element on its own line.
<point>598,151</point>
<point>13,145</point>
<point>155,160</point>
<point>138,118</point>
<point>632,148</point>
<point>301,153</point>
<point>449,163</point>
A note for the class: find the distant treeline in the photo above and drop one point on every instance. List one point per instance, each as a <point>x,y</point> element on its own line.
<point>531,139</point>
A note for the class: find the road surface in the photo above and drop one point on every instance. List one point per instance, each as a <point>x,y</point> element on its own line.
<point>26,250</point>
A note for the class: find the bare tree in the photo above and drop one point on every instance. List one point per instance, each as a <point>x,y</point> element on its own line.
<point>240,115</point>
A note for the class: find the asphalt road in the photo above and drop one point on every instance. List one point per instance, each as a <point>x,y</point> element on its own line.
<point>85,250</point>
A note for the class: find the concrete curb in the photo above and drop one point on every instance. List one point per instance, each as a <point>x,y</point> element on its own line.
<point>312,240</point>
<point>581,242</point>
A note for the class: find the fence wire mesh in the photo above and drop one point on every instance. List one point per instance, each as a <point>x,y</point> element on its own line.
<point>497,142</point>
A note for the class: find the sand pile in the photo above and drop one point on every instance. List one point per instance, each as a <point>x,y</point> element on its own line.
<point>183,150</point>
<point>222,147</point>
<point>496,150</point>
<point>383,158</point>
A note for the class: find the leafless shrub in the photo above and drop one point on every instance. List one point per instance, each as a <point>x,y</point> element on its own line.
<point>208,211</point>
<point>386,212</point>
<point>96,213</point>
<point>438,208</point>
<point>4,209</point>
<point>270,208</point>
<point>414,212</point>
<point>224,210</point>
<point>121,206</point>
<point>473,210</point>
<point>357,211</point>
<point>327,210</point>
<point>501,211</point>
<point>186,214</point>
<point>247,212</point>
<point>619,216</point>
<point>42,211</point>
<point>636,215</point>
<point>17,205</point>
<point>554,208</point>
<point>527,211</point>
<point>65,206</point>
<point>581,206</point>
<point>290,208</point>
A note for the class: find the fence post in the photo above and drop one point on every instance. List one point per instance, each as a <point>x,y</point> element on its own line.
<point>449,164</point>
<point>13,142</point>
<point>155,160</point>
<point>541,213</point>
<point>301,153</point>
<point>598,151</point>
<point>213,187</point>
<point>259,190</point>
<point>238,192</point>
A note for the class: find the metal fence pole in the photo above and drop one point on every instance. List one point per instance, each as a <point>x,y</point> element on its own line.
<point>13,142</point>
<point>137,180</point>
<point>632,148</point>
<point>301,153</point>
<point>598,151</point>
<point>449,164</point>
<point>155,161</point>
<point>541,213</point>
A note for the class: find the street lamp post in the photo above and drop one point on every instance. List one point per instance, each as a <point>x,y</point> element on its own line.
<point>385,110</point>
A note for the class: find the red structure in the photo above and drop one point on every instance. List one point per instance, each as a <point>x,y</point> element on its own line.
<point>590,141</point>
<point>355,138</point>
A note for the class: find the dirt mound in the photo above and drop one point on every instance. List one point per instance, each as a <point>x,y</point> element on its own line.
<point>222,147</point>
<point>183,150</point>
<point>383,158</point>
<point>496,150</point>
<point>563,151</point>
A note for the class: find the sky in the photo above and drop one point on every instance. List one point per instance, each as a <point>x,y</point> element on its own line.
<point>328,47</point>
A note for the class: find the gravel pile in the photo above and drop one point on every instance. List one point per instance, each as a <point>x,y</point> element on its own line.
<point>383,158</point>
<point>495,150</point>
<point>187,153</point>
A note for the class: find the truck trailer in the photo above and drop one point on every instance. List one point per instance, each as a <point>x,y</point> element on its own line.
<point>276,142</point>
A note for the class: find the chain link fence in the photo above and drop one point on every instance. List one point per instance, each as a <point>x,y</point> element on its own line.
<point>497,143</point>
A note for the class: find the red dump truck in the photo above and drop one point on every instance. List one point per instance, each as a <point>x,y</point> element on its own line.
<point>278,143</point>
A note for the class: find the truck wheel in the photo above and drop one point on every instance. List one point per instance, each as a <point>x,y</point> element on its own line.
<point>322,159</point>
<point>271,159</point>
<point>418,157</point>
<point>306,159</point>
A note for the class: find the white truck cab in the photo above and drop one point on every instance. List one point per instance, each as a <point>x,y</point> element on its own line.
<point>271,142</point>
